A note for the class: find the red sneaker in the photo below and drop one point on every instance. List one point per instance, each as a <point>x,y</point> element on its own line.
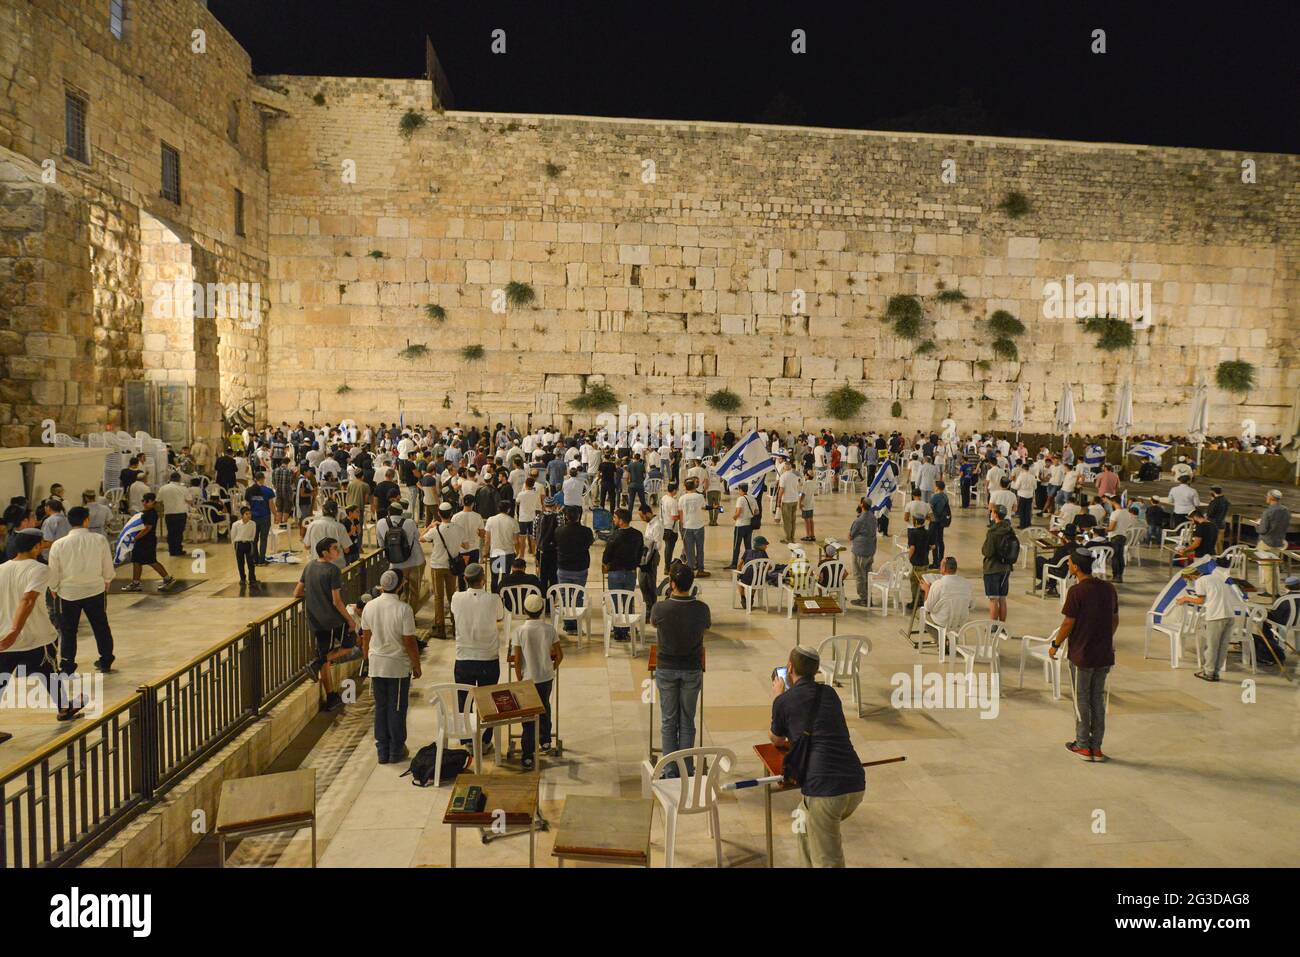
<point>1098,756</point>
<point>1085,753</point>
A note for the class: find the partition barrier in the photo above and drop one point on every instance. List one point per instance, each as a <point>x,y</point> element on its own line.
<point>60,803</point>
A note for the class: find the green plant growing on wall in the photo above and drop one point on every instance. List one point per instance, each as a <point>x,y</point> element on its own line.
<point>984,365</point>
<point>1112,334</point>
<point>723,400</point>
<point>896,410</point>
<point>472,353</point>
<point>1235,376</point>
<point>411,121</point>
<point>595,398</point>
<point>1014,204</point>
<point>925,348</point>
<point>553,169</point>
<point>435,312</point>
<point>1005,349</point>
<point>377,254</point>
<point>843,402</point>
<point>343,288</point>
<point>344,389</point>
<point>414,350</point>
<point>519,293</point>
<point>1003,325</point>
<point>950,295</point>
<point>319,99</point>
<point>904,313</point>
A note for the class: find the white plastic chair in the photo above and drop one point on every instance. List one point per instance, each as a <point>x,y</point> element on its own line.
<point>620,608</point>
<point>454,723</point>
<point>1172,539</point>
<point>979,642</point>
<point>834,573</point>
<point>1033,647</point>
<point>514,595</point>
<point>1290,627</point>
<point>888,581</point>
<point>799,579</point>
<point>1103,556</point>
<point>751,593</point>
<point>1060,566</point>
<point>1169,623</point>
<point>841,660</point>
<point>695,793</point>
<point>1133,545</point>
<point>1237,556</point>
<point>569,602</point>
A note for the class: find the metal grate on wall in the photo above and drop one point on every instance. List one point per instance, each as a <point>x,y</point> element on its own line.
<point>75,108</point>
<point>171,174</point>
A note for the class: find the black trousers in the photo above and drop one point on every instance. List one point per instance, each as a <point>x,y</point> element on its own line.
<point>936,543</point>
<point>175,534</point>
<point>670,543</point>
<point>648,578</point>
<point>965,492</point>
<point>478,674</point>
<point>244,560</point>
<point>548,572</point>
<point>741,537</point>
<point>69,618</point>
<point>609,493</point>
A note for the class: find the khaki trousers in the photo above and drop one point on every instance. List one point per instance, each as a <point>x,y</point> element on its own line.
<point>819,839</point>
<point>787,519</point>
<point>443,585</point>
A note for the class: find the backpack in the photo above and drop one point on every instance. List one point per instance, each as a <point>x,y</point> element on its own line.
<point>1007,549</point>
<point>396,547</point>
<point>454,761</point>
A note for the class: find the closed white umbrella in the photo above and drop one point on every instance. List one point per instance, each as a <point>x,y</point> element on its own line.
<point>1018,411</point>
<point>1291,437</point>
<point>1124,416</point>
<point>1065,417</point>
<point>1198,426</point>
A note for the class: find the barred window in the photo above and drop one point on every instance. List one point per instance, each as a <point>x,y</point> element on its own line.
<point>75,107</point>
<point>116,16</point>
<point>171,174</point>
<point>239,213</point>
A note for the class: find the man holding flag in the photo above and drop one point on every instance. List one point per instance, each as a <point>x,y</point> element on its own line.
<point>880,494</point>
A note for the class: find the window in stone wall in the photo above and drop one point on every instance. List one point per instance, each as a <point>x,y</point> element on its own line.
<point>232,122</point>
<point>116,16</point>
<point>171,174</point>
<point>239,213</point>
<point>75,109</point>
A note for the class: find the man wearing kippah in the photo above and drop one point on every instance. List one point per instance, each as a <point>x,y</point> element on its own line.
<point>833,783</point>
<point>388,644</point>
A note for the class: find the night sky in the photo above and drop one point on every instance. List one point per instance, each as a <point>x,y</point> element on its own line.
<point>1173,74</point>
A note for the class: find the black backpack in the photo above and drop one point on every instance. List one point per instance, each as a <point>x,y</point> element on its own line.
<point>1007,549</point>
<point>454,761</point>
<point>396,547</point>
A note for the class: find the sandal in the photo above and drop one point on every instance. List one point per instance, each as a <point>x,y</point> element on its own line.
<point>1204,677</point>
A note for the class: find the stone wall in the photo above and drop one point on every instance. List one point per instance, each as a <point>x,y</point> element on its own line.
<point>672,288</point>
<point>70,232</point>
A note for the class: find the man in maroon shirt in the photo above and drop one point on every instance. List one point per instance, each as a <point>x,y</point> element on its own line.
<point>1091,617</point>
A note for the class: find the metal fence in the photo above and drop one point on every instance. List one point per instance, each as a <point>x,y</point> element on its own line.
<point>60,803</point>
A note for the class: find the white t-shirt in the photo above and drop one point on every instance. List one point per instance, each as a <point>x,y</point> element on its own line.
<point>17,578</point>
<point>535,639</point>
<point>529,501</point>
<point>469,524</point>
<point>1220,598</point>
<point>747,508</point>
<point>501,530</point>
<point>1025,484</point>
<point>789,486</point>
<point>175,498</point>
<point>1184,499</point>
<point>476,613</point>
<point>669,512</point>
<point>809,490</point>
<point>389,620</point>
<point>448,532</point>
<point>692,508</point>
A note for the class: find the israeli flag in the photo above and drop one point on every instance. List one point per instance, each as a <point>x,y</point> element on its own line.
<point>880,495</point>
<point>1180,585</point>
<point>126,540</point>
<point>1149,450</point>
<point>746,461</point>
<point>1094,456</point>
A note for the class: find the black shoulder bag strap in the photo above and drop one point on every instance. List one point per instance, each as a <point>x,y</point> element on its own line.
<point>795,767</point>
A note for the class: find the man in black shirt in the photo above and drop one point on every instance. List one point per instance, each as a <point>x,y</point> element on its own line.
<point>1216,510</point>
<point>834,782</point>
<point>573,556</point>
<point>621,559</point>
<point>225,469</point>
<point>680,623</point>
<point>385,492</point>
<point>544,528</point>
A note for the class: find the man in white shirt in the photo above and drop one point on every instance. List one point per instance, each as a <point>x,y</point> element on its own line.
<point>993,479</point>
<point>81,569</point>
<point>1182,471</point>
<point>808,504</point>
<point>1184,499</point>
<point>670,517</point>
<point>387,633</point>
<point>1004,496</point>
<point>947,600</point>
<point>98,511</point>
<point>500,532</point>
<point>175,499</point>
<point>692,509</point>
<point>652,543</point>
<point>573,489</point>
<point>445,540</point>
<point>328,526</point>
<point>1070,510</point>
<point>135,495</point>
<point>537,651</point>
<point>529,503</point>
<point>742,516</point>
<point>1220,602</point>
<point>28,644</point>
<point>787,498</point>
<point>1025,484</point>
<point>476,613</point>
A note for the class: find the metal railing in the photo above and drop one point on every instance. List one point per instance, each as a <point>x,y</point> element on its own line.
<point>60,803</point>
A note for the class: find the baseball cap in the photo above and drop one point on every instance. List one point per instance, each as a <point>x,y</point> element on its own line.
<point>389,580</point>
<point>533,603</point>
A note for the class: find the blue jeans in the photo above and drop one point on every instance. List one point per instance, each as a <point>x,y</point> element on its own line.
<point>390,696</point>
<point>679,693</point>
<point>622,580</point>
<point>693,546</point>
<point>566,576</point>
<point>543,692</point>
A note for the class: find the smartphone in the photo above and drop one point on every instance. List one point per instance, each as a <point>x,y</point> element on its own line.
<point>784,674</point>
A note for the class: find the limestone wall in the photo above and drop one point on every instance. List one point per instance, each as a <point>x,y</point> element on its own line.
<point>673,288</point>
<point>70,232</point>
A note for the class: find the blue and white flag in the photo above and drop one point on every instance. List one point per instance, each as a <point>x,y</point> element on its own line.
<point>748,459</point>
<point>1181,584</point>
<point>1094,456</point>
<point>880,494</point>
<point>126,540</point>
<point>1149,449</point>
